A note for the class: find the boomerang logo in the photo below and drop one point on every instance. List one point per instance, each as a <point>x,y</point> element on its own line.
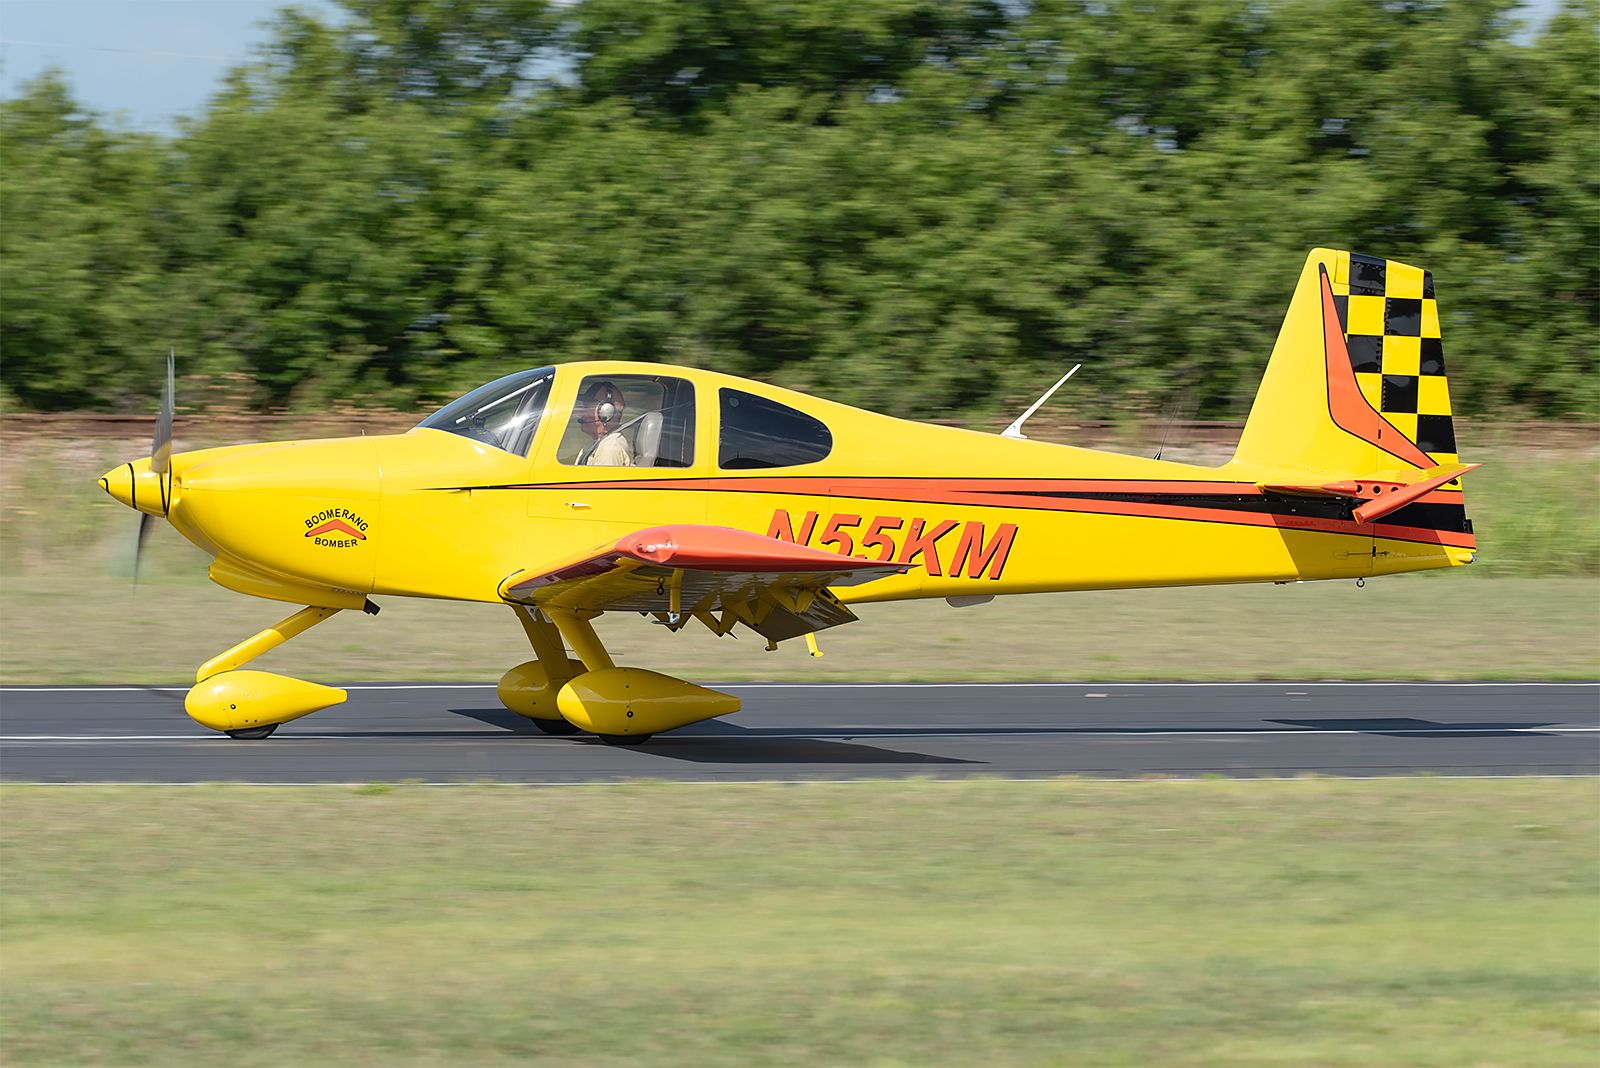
<point>336,528</point>
<point>336,525</point>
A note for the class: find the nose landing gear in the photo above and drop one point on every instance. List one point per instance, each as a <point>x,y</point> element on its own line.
<point>250,705</point>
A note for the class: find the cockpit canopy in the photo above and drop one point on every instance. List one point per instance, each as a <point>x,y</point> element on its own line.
<point>504,413</point>
<point>636,419</point>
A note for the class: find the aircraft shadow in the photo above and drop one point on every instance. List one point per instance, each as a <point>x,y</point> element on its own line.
<point>1405,727</point>
<point>750,747</point>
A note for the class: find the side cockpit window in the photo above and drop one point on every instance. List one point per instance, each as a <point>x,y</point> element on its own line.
<point>504,413</point>
<point>757,432</point>
<point>630,421</point>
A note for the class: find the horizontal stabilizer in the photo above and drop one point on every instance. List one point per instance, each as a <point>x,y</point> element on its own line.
<point>1388,502</point>
<point>1385,496</point>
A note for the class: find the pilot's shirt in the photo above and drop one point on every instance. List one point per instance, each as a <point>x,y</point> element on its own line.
<point>612,450</point>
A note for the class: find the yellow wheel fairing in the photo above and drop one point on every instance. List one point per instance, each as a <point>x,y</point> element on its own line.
<point>240,700</point>
<point>632,701</point>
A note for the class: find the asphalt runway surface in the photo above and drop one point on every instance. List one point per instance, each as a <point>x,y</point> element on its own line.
<point>459,733</point>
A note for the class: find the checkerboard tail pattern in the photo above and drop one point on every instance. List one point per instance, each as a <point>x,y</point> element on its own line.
<point>1391,327</point>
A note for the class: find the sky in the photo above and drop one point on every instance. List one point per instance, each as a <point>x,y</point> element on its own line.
<point>149,61</point>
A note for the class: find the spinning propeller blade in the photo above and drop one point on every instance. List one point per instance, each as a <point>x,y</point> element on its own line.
<point>161,444</point>
<point>160,459</point>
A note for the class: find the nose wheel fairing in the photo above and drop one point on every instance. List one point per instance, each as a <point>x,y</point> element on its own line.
<point>249,701</point>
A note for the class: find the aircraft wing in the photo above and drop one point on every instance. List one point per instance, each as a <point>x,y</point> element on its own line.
<point>717,575</point>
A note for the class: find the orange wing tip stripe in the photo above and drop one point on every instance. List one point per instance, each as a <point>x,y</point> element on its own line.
<point>1403,496</point>
<point>336,525</point>
<point>705,548</point>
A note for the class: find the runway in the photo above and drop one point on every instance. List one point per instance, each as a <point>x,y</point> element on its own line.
<point>459,733</point>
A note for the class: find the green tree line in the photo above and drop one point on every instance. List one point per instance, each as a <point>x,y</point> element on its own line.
<point>922,206</point>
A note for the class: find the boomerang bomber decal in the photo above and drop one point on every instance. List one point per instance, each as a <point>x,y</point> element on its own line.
<point>336,528</point>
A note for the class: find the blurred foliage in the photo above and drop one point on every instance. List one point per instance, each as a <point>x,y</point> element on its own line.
<point>916,205</point>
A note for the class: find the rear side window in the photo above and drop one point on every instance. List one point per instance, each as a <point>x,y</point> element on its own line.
<point>757,432</point>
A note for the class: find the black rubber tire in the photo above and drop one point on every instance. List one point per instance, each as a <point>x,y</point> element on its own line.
<point>556,726</point>
<point>624,739</point>
<point>253,734</point>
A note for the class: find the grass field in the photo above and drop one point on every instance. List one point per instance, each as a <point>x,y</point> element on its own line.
<point>1390,922</point>
<point>1529,608</point>
<point>1507,628</point>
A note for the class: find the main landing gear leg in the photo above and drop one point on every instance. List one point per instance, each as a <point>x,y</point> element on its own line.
<point>251,704</point>
<point>530,688</point>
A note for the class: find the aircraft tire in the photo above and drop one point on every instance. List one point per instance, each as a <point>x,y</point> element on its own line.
<point>253,734</point>
<point>624,739</point>
<point>556,726</point>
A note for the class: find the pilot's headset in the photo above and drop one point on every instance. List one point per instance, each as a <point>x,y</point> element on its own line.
<point>603,405</point>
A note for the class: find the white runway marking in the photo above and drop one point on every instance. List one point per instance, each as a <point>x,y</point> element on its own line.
<point>883,686</point>
<point>823,734</point>
<point>1076,778</point>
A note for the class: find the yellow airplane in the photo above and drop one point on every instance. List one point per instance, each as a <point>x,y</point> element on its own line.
<point>695,497</point>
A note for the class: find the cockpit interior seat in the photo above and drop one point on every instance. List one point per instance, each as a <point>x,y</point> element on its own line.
<point>647,440</point>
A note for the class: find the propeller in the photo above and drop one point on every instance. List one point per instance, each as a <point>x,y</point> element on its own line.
<point>160,460</point>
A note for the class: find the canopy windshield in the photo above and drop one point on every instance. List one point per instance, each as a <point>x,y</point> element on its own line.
<point>504,413</point>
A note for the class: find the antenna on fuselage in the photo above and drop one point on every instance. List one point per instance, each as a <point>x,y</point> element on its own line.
<point>1015,429</point>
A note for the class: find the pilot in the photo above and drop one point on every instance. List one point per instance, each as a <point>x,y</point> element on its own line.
<point>600,414</point>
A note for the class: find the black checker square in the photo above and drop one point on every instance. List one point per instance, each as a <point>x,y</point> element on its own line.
<point>1366,353</point>
<point>1400,393</point>
<point>1366,276</point>
<point>1402,317</point>
<point>1342,306</point>
<point>1427,285</point>
<point>1436,433</point>
<point>1432,356</point>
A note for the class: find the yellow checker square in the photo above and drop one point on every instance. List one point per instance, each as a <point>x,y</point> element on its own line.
<point>1402,280</point>
<point>1371,388</point>
<point>1365,316</point>
<point>1433,392</point>
<point>1430,318</point>
<point>1340,270</point>
<point>1402,356</point>
<point>1405,422</point>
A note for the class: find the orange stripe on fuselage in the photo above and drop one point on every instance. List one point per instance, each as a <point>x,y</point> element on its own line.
<point>1018,493</point>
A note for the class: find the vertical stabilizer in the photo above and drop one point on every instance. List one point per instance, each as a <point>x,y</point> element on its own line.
<point>1356,383</point>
